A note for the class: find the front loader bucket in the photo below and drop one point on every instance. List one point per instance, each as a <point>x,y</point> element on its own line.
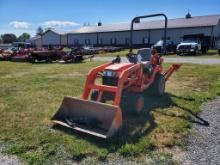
<point>98,119</point>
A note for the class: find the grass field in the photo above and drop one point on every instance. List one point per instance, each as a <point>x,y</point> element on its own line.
<point>30,94</point>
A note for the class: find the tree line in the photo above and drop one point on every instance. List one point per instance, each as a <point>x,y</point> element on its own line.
<point>10,37</point>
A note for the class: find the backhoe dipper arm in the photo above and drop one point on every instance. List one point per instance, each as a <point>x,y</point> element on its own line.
<point>169,72</point>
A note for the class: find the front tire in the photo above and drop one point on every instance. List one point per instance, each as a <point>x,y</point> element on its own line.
<point>133,103</point>
<point>138,103</point>
<point>94,96</point>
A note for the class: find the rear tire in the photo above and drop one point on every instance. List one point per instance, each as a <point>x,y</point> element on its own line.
<point>32,60</point>
<point>48,60</point>
<point>204,50</point>
<point>158,86</point>
<point>194,53</point>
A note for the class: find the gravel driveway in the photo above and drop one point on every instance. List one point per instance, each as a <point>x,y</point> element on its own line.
<point>6,159</point>
<point>192,60</point>
<point>204,142</point>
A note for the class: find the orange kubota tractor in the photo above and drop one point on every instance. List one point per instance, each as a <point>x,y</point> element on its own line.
<point>99,111</point>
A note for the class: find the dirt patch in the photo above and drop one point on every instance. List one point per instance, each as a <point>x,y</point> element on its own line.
<point>65,76</point>
<point>15,75</point>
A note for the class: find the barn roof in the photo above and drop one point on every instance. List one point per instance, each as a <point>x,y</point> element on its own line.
<point>33,38</point>
<point>55,31</point>
<point>197,21</point>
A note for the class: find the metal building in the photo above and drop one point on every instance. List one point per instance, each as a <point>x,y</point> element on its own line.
<point>54,38</point>
<point>36,41</point>
<point>146,33</point>
<point>49,38</point>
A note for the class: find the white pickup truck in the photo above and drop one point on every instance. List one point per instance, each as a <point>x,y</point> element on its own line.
<point>190,46</point>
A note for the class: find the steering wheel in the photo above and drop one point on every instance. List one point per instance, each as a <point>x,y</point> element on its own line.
<point>132,58</point>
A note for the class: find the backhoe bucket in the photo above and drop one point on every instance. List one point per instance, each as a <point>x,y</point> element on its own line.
<point>98,119</point>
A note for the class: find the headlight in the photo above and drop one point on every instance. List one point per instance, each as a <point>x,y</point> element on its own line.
<point>110,73</point>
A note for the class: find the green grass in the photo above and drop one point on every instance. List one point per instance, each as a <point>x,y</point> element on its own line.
<point>213,53</point>
<point>122,53</point>
<point>66,49</point>
<point>30,94</point>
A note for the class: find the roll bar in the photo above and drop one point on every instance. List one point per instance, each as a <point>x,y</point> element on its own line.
<point>148,16</point>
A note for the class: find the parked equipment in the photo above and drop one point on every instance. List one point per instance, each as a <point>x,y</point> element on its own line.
<point>100,110</point>
<point>170,46</point>
<point>22,55</point>
<point>194,43</point>
<point>46,55</point>
<point>77,55</point>
<point>5,55</point>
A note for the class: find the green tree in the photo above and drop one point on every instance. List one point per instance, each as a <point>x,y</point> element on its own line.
<point>9,38</point>
<point>24,37</point>
<point>40,31</point>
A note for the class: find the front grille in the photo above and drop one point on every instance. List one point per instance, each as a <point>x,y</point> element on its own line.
<point>185,47</point>
<point>111,81</point>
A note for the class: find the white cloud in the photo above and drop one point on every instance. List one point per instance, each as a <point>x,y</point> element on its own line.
<point>59,24</point>
<point>19,24</point>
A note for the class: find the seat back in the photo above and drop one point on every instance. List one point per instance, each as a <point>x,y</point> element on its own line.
<point>145,54</point>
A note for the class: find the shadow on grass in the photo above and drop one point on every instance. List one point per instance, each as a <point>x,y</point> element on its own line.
<point>193,118</point>
<point>135,127</point>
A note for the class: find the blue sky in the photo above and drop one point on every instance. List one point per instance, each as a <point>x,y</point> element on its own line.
<point>18,16</point>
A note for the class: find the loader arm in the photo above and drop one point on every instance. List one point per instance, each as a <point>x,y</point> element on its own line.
<point>124,76</point>
<point>91,79</point>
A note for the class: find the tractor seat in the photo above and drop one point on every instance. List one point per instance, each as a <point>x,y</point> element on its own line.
<point>145,54</point>
<point>146,57</point>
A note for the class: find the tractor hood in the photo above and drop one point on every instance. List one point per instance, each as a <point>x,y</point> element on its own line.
<point>118,67</point>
